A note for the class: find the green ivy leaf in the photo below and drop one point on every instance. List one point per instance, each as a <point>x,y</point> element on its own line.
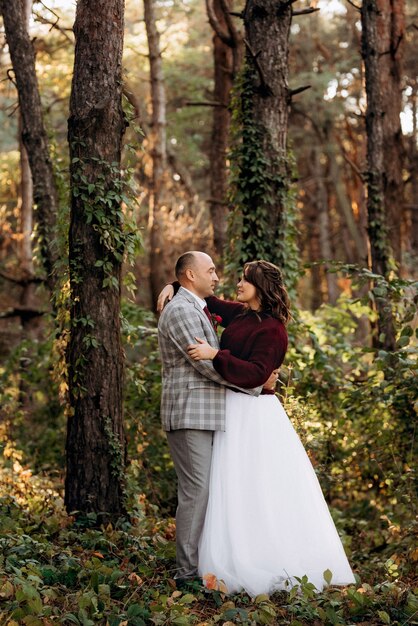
<point>327,576</point>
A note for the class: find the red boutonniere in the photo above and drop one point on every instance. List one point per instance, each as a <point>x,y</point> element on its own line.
<point>216,320</point>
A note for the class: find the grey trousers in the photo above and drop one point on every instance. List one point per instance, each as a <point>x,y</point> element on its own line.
<point>191,451</point>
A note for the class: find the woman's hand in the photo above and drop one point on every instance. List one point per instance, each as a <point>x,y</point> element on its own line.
<point>270,383</point>
<point>165,296</point>
<point>201,351</point>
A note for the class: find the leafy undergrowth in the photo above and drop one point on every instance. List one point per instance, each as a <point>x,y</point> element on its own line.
<point>54,570</point>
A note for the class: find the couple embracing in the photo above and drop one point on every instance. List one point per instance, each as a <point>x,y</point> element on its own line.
<point>250,508</point>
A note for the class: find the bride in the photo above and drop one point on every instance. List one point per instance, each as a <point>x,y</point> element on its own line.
<point>267,522</point>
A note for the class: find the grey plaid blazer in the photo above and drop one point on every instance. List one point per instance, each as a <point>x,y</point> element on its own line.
<point>193,394</point>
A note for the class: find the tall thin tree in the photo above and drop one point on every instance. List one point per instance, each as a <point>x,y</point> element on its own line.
<point>377,218</point>
<point>391,33</point>
<point>413,168</point>
<point>227,59</point>
<point>26,206</point>
<point>158,141</point>
<point>34,136</point>
<point>95,438</point>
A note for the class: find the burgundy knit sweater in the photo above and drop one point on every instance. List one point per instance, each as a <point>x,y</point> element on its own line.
<point>252,344</point>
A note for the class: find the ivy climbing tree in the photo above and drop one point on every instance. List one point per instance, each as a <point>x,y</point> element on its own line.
<point>95,439</point>
<point>261,197</point>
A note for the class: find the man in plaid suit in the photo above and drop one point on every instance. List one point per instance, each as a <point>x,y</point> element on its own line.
<point>193,401</point>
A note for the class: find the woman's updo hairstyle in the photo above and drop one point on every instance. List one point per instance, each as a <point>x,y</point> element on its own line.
<point>268,280</point>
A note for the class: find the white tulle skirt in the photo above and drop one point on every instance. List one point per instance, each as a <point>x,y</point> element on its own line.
<point>267,520</point>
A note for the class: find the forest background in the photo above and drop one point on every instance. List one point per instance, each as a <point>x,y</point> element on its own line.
<point>197,173</point>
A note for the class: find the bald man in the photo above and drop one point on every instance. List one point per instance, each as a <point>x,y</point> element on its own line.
<point>193,402</point>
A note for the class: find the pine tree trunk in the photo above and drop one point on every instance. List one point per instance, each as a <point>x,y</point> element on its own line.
<point>219,143</point>
<point>391,34</point>
<point>227,59</point>
<point>34,136</point>
<point>377,219</point>
<point>310,219</point>
<point>96,447</point>
<point>26,221</point>
<point>26,207</point>
<point>324,226</point>
<point>359,254</point>
<point>413,169</point>
<point>267,27</point>
<point>158,140</point>
<point>265,106</point>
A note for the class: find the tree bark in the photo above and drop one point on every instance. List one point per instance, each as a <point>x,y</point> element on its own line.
<point>377,220</point>
<point>222,55</point>
<point>158,140</point>
<point>227,60</point>
<point>413,169</point>
<point>344,205</point>
<point>265,105</point>
<point>267,28</point>
<point>324,226</point>
<point>96,447</point>
<point>26,207</point>
<point>34,136</point>
<point>310,219</point>
<point>391,34</point>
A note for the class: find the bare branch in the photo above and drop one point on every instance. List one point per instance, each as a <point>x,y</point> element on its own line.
<point>204,103</point>
<point>305,11</point>
<point>235,14</point>
<point>50,10</point>
<point>21,280</point>
<point>293,92</point>
<point>216,201</point>
<point>393,49</point>
<point>229,24</point>
<point>9,73</point>
<point>283,7</point>
<point>354,5</point>
<point>14,107</point>
<point>310,119</point>
<point>216,26</point>
<point>353,165</point>
<point>54,25</point>
<point>53,103</point>
<point>25,314</point>
<point>177,168</point>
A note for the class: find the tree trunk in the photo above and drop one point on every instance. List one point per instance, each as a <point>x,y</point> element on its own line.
<point>34,136</point>
<point>158,142</point>
<point>377,222</point>
<point>324,226</point>
<point>413,177</point>
<point>26,222</point>
<point>219,144</point>
<point>310,220</point>
<point>391,34</point>
<point>96,447</point>
<point>26,207</point>
<point>262,179</point>
<point>343,202</point>
<point>267,27</point>
<point>227,58</point>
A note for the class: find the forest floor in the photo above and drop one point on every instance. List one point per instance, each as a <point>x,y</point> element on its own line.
<point>54,570</point>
